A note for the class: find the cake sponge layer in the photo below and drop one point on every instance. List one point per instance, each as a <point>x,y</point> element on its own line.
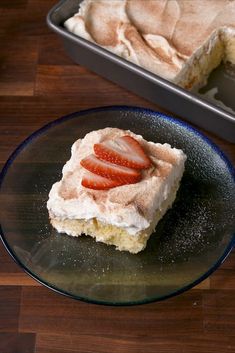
<point>113,235</point>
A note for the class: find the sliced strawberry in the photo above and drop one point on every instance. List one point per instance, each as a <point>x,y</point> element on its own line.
<point>97,182</point>
<point>111,171</point>
<point>125,151</point>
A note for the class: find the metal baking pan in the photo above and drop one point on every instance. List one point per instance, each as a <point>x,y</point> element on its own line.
<point>190,106</point>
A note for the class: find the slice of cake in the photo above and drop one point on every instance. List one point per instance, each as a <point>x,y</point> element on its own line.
<point>180,40</point>
<point>115,188</point>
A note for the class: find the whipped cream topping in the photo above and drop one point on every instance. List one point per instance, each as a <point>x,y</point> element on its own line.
<point>160,36</point>
<point>129,206</point>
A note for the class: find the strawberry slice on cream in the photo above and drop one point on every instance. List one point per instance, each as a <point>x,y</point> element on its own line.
<point>124,150</point>
<point>97,182</point>
<point>109,170</point>
<point>120,160</point>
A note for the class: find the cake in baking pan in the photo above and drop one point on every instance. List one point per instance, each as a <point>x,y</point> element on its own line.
<point>179,40</point>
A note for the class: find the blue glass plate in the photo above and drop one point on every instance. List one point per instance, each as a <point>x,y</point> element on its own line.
<point>190,242</point>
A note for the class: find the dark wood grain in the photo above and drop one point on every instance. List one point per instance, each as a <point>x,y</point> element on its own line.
<point>10,299</point>
<point>219,309</point>
<point>167,343</point>
<point>42,311</point>
<point>17,342</point>
<point>39,83</point>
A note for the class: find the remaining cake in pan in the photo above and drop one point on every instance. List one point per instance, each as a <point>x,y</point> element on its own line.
<point>180,40</point>
<point>116,187</point>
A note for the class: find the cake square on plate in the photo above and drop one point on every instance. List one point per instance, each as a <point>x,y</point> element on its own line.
<point>113,211</point>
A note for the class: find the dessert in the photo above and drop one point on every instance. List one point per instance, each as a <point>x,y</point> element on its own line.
<point>116,187</point>
<point>180,40</point>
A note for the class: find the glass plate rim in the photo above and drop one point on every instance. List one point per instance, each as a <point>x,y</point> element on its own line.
<point>143,110</point>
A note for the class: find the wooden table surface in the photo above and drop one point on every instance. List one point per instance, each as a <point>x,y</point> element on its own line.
<point>39,83</point>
